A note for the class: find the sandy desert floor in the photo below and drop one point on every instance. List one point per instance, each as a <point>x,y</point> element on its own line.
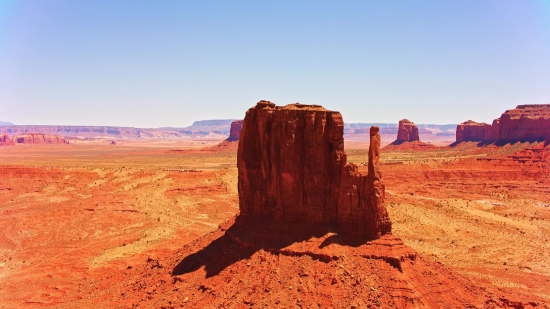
<point>76,218</point>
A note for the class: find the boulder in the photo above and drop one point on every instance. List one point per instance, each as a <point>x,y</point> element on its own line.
<point>525,123</point>
<point>292,168</point>
<point>407,131</point>
<point>235,132</point>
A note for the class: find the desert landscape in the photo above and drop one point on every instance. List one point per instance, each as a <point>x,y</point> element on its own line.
<point>178,223</point>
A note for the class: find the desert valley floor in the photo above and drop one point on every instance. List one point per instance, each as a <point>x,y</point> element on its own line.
<point>87,225</point>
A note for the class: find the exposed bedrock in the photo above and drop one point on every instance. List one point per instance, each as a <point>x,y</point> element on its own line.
<point>235,132</point>
<point>470,131</point>
<point>292,168</point>
<point>407,131</point>
<point>525,123</point>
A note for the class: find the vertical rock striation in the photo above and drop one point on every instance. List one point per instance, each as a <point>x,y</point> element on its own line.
<point>235,131</point>
<point>471,131</point>
<point>292,168</point>
<point>525,123</point>
<point>407,131</point>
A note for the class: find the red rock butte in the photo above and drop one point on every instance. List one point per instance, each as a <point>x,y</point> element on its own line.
<point>524,123</point>
<point>292,168</point>
<point>235,131</point>
<point>407,131</point>
<point>39,138</point>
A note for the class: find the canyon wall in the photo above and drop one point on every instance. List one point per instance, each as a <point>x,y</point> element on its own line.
<point>470,131</point>
<point>292,168</point>
<point>407,131</point>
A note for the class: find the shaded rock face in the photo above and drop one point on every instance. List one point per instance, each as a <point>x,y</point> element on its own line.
<point>470,131</point>
<point>5,140</point>
<point>292,168</point>
<point>39,138</point>
<point>407,131</point>
<point>235,132</point>
<point>525,123</point>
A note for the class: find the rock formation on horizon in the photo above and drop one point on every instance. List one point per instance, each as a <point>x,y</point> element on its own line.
<point>5,140</point>
<point>407,131</point>
<point>525,123</point>
<point>293,168</point>
<point>235,131</point>
<point>39,138</point>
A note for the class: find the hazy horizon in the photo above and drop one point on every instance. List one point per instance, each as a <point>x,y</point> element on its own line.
<point>168,64</point>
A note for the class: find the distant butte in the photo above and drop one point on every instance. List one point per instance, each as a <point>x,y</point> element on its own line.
<point>525,123</point>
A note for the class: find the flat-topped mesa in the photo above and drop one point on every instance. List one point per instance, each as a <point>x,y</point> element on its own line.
<point>235,132</point>
<point>39,138</point>
<point>471,131</point>
<point>525,123</point>
<point>292,168</point>
<point>407,131</point>
<point>6,140</point>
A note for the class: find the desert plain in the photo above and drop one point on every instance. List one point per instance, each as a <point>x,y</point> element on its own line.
<point>94,225</point>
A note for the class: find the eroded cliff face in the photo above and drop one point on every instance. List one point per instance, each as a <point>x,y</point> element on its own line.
<point>235,131</point>
<point>471,131</point>
<point>525,123</point>
<point>292,168</point>
<point>407,131</point>
<point>39,138</point>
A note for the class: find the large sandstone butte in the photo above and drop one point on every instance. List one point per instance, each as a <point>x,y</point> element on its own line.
<point>470,131</point>
<point>5,140</point>
<point>39,138</point>
<point>525,123</point>
<point>292,168</point>
<point>407,131</point>
<point>235,131</point>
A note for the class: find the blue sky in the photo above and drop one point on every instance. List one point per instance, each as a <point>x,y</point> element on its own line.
<point>168,63</point>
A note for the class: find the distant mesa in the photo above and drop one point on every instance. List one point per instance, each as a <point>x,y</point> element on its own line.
<point>408,138</point>
<point>471,131</point>
<point>524,123</point>
<point>235,132</point>
<point>6,140</point>
<point>39,138</point>
<point>5,123</point>
<point>407,132</point>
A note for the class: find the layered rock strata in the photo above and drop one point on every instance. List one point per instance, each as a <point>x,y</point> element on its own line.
<point>235,131</point>
<point>292,168</point>
<point>39,138</point>
<point>471,131</point>
<point>525,123</point>
<point>407,131</point>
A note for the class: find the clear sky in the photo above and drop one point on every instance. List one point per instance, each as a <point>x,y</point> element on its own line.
<point>168,63</point>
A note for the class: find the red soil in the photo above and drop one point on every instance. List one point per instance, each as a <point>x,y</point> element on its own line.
<point>96,226</point>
